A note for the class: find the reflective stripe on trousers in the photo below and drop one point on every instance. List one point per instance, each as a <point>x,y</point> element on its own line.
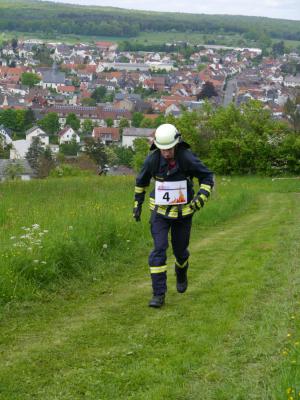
<point>180,237</point>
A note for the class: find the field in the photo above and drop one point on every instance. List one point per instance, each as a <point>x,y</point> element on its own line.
<point>147,38</point>
<point>74,287</point>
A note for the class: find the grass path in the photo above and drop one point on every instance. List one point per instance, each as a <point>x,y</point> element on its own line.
<point>221,340</point>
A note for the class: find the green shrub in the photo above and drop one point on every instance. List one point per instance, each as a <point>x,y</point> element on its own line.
<point>66,170</point>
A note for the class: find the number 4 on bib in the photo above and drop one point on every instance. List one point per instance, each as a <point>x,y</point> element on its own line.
<point>166,196</point>
<point>170,193</point>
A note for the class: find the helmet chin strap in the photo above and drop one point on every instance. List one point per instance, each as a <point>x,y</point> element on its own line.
<point>178,135</point>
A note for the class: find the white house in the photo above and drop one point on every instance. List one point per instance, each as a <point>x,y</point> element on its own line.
<point>172,109</point>
<point>5,135</point>
<point>67,134</point>
<point>36,131</point>
<point>130,134</point>
<point>52,78</point>
<point>19,149</point>
<point>155,65</point>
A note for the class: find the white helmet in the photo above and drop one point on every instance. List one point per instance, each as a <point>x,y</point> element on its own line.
<point>166,136</point>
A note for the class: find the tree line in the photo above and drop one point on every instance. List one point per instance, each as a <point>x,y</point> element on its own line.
<point>239,140</point>
<point>32,16</point>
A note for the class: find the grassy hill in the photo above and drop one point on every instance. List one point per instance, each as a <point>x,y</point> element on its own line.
<point>54,19</point>
<point>74,317</point>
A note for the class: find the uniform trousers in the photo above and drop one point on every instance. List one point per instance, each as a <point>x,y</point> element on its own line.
<point>180,237</point>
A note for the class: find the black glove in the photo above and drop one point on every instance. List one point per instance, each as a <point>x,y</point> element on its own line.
<point>137,211</point>
<point>197,203</point>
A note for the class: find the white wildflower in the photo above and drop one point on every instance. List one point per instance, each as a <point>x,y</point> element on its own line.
<point>12,237</point>
<point>43,262</point>
<point>35,226</point>
<point>45,231</point>
<point>105,246</point>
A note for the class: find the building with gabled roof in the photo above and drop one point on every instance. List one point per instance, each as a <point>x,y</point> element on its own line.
<point>68,89</point>
<point>5,135</point>
<point>130,134</point>
<point>106,46</point>
<point>19,149</point>
<point>52,78</point>
<point>36,131</point>
<point>67,134</point>
<point>96,114</point>
<point>107,135</point>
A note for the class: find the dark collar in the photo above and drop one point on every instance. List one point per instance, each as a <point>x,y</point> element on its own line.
<point>181,144</point>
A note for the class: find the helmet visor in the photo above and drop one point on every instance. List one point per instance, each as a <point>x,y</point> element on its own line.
<point>166,146</point>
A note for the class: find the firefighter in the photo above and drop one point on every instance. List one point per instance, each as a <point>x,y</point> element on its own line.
<point>172,202</point>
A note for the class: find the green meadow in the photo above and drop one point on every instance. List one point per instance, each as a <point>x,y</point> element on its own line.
<point>74,287</point>
<point>145,38</point>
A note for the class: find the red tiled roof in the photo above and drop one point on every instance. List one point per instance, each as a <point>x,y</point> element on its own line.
<point>104,44</point>
<point>151,116</point>
<point>176,99</point>
<point>68,66</point>
<point>111,75</point>
<point>69,88</point>
<point>16,107</point>
<point>217,84</point>
<point>204,75</point>
<point>89,69</point>
<point>98,132</point>
<point>12,71</point>
<point>85,93</point>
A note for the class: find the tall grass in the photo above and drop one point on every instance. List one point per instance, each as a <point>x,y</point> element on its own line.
<point>53,230</point>
<point>61,228</point>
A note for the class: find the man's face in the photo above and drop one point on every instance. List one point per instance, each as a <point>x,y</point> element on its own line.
<point>168,154</point>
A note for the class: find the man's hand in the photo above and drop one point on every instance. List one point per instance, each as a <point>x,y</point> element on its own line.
<point>197,203</point>
<point>137,211</point>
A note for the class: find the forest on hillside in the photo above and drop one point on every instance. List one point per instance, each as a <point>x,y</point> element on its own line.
<point>53,18</point>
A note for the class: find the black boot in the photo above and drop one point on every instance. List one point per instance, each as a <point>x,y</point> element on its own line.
<point>157,301</point>
<point>181,278</point>
<point>159,288</point>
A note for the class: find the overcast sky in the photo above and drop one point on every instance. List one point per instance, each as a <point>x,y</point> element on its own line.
<point>287,9</point>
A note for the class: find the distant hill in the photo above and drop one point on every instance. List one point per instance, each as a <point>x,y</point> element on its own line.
<point>56,18</point>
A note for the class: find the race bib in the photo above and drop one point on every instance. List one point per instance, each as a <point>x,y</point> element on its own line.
<point>170,193</point>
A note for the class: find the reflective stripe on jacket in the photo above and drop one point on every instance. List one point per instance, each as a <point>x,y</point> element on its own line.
<point>187,167</point>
